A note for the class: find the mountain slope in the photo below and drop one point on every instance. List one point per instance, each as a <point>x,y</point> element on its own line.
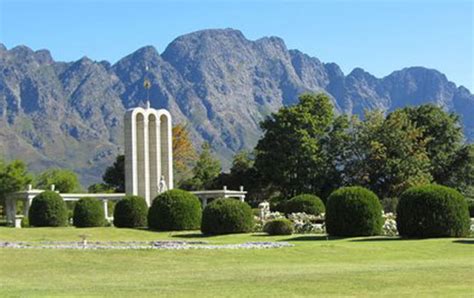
<point>217,81</point>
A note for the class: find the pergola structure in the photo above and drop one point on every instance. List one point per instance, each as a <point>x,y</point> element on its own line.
<point>27,197</point>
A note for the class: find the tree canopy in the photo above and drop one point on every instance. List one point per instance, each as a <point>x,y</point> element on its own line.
<point>64,180</point>
<point>205,171</point>
<point>114,176</point>
<point>14,176</point>
<point>301,146</point>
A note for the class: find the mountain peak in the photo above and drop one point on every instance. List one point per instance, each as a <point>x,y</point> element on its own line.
<point>217,80</point>
<point>43,57</point>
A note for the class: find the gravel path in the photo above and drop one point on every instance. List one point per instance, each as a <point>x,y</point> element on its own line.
<point>127,245</point>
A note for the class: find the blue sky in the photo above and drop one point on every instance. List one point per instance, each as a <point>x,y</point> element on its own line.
<point>379,36</point>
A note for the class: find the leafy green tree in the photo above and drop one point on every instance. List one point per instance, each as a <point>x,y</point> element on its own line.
<point>65,181</point>
<point>205,171</point>
<point>114,176</point>
<point>14,177</point>
<point>451,160</point>
<point>387,155</point>
<point>462,177</point>
<point>302,146</point>
<point>99,188</point>
<point>243,173</point>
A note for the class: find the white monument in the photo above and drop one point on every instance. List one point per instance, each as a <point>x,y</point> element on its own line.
<point>148,151</point>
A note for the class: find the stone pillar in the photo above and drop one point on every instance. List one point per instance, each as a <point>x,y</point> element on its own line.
<point>27,205</point>
<point>106,209</point>
<point>10,205</point>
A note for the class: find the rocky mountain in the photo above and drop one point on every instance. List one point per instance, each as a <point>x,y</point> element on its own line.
<point>69,114</point>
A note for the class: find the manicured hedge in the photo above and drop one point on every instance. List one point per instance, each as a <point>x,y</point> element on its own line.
<point>88,212</point>
<point>225,216</point>
<point>432,211</point>
<point>48,210</point>
<point>175,210</point>
<point>309,204</point>
<point>279,227</point>
<point>353,211</point>
<point>131,212</point>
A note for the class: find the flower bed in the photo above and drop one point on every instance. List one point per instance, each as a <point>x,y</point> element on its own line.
<point>310,224</point>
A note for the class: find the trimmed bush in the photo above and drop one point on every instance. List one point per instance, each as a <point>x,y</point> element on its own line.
<point>280,226</point>
<point>309,204</point>
<point>432,211</point>
<point>88,212</point>
<point>130,212</point>
<point>470,205</point>
<point>48,210</point>
<point>225,216</point>
<point>353,211</point>
<point>175,210</point>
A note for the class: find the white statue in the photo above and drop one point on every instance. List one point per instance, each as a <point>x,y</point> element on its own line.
<point>162,187</point>
<point>264,209</point>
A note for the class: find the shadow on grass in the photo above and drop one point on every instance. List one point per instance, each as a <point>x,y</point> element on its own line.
<point>464,241</point>
<point>191,235</point>
<point>312,238</point>
<point>378,239</point>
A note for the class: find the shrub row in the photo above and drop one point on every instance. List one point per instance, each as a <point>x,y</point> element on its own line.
<point>172,210</point>
<point>423,211</point>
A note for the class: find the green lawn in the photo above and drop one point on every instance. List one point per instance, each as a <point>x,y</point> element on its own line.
<point>314,267</point>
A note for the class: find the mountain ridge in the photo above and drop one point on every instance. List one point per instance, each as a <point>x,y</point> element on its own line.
<point>69,114</point>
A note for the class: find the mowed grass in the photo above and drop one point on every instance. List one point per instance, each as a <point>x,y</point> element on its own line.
<point>315,266</point>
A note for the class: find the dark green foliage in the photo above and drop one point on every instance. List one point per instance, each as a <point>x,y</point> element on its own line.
<point>48,210</point>
<point>114,176</point>
<point>279,227</point>
<point>244,173</point>
<point>302,146</point>
<point>88,212</point>
<point>207,169</point>
<point>470,205</point>
<point>309,204</point>
<point>225,216</point>
<point>353,211</point>
<point>387,155</point>
<point>130,212</point>
<point>175,210</point>
<point>432,211</point>
<point>277,204</point>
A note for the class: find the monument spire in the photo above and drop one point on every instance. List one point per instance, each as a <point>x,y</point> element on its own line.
<point>147,86</point>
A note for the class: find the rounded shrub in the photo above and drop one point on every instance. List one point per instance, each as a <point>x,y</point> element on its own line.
<point>225,216</point>
<point>432,211</point>
<point>88,212</point>
<point>353,211</point>
<point>280,226</point>
<point>48,210</point>
<point>130,212</point>
<point>175,210</point>
<point>309,204</point>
